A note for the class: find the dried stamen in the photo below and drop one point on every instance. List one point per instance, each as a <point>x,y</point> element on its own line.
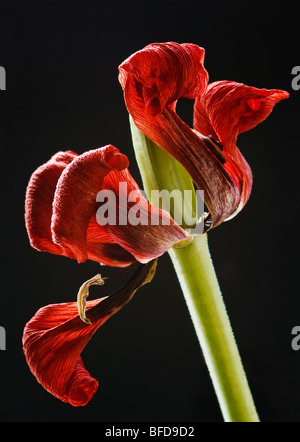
<point>214,146</point>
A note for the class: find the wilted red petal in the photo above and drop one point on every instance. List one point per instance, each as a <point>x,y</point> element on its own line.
<point>227,109</point>
<point>53,341</point>
<point>101,246</point>
<point>141,236</point>
<point>39,210</point>
<point>221,194</point>
<point>75,206</point>
<point>74,201</point>
<point>55,337</point>
<point>153,80</point>
<point>158,75</point>
<point>38,203</point>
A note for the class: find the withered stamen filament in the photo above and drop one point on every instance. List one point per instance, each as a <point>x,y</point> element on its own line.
<point>83,293</point>
<point>214,146</point>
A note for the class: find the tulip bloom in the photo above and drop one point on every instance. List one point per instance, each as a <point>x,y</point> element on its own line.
<point>154,78</point>
<point>61,210</point>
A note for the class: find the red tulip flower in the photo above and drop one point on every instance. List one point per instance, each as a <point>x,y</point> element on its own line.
<point>154,78</point>
<point>66,202</point>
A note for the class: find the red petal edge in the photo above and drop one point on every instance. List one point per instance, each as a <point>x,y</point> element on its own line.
<point>40,192</point>
<point>55,337</point>
<point>38,203</point>
<point>153,79</point>
<point>227,109</point>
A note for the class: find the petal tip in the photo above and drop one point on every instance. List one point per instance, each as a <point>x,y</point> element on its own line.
<point>114,159</point>
<point>79,397</point>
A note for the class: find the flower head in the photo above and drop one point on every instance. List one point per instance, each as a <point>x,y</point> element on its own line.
<point>154,78</point>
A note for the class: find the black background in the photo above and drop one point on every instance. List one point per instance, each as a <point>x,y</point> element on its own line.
<point>61,61</point>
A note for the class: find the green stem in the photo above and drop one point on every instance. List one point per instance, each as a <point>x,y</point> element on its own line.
<point>200,287</point>
<point>201,290</point>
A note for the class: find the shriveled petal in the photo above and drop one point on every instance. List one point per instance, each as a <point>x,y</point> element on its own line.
<point>149,232</point>
<point>38,203</point>
<point>161,73</point>
<point>174,77</point>
<point>227,109</point>
<point>53,340</point>
<point>55,337</point>
<point>38,214</point>
<point>222,196</point>
<point>75,206</point>
<point>74,202</point>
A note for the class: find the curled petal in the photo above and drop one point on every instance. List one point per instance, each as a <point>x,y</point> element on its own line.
<point>81,386</point>
<point>158,75</point>
<point>227,109</point>
<point>38,203</point>
<point>39,211</point>
<point>176,77</point>
<point>75,205</point>
<point>221,193</point>
<point>74,201</point>
<point>52,342</point>
<point>142,229</point>
<point>55,337</point>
